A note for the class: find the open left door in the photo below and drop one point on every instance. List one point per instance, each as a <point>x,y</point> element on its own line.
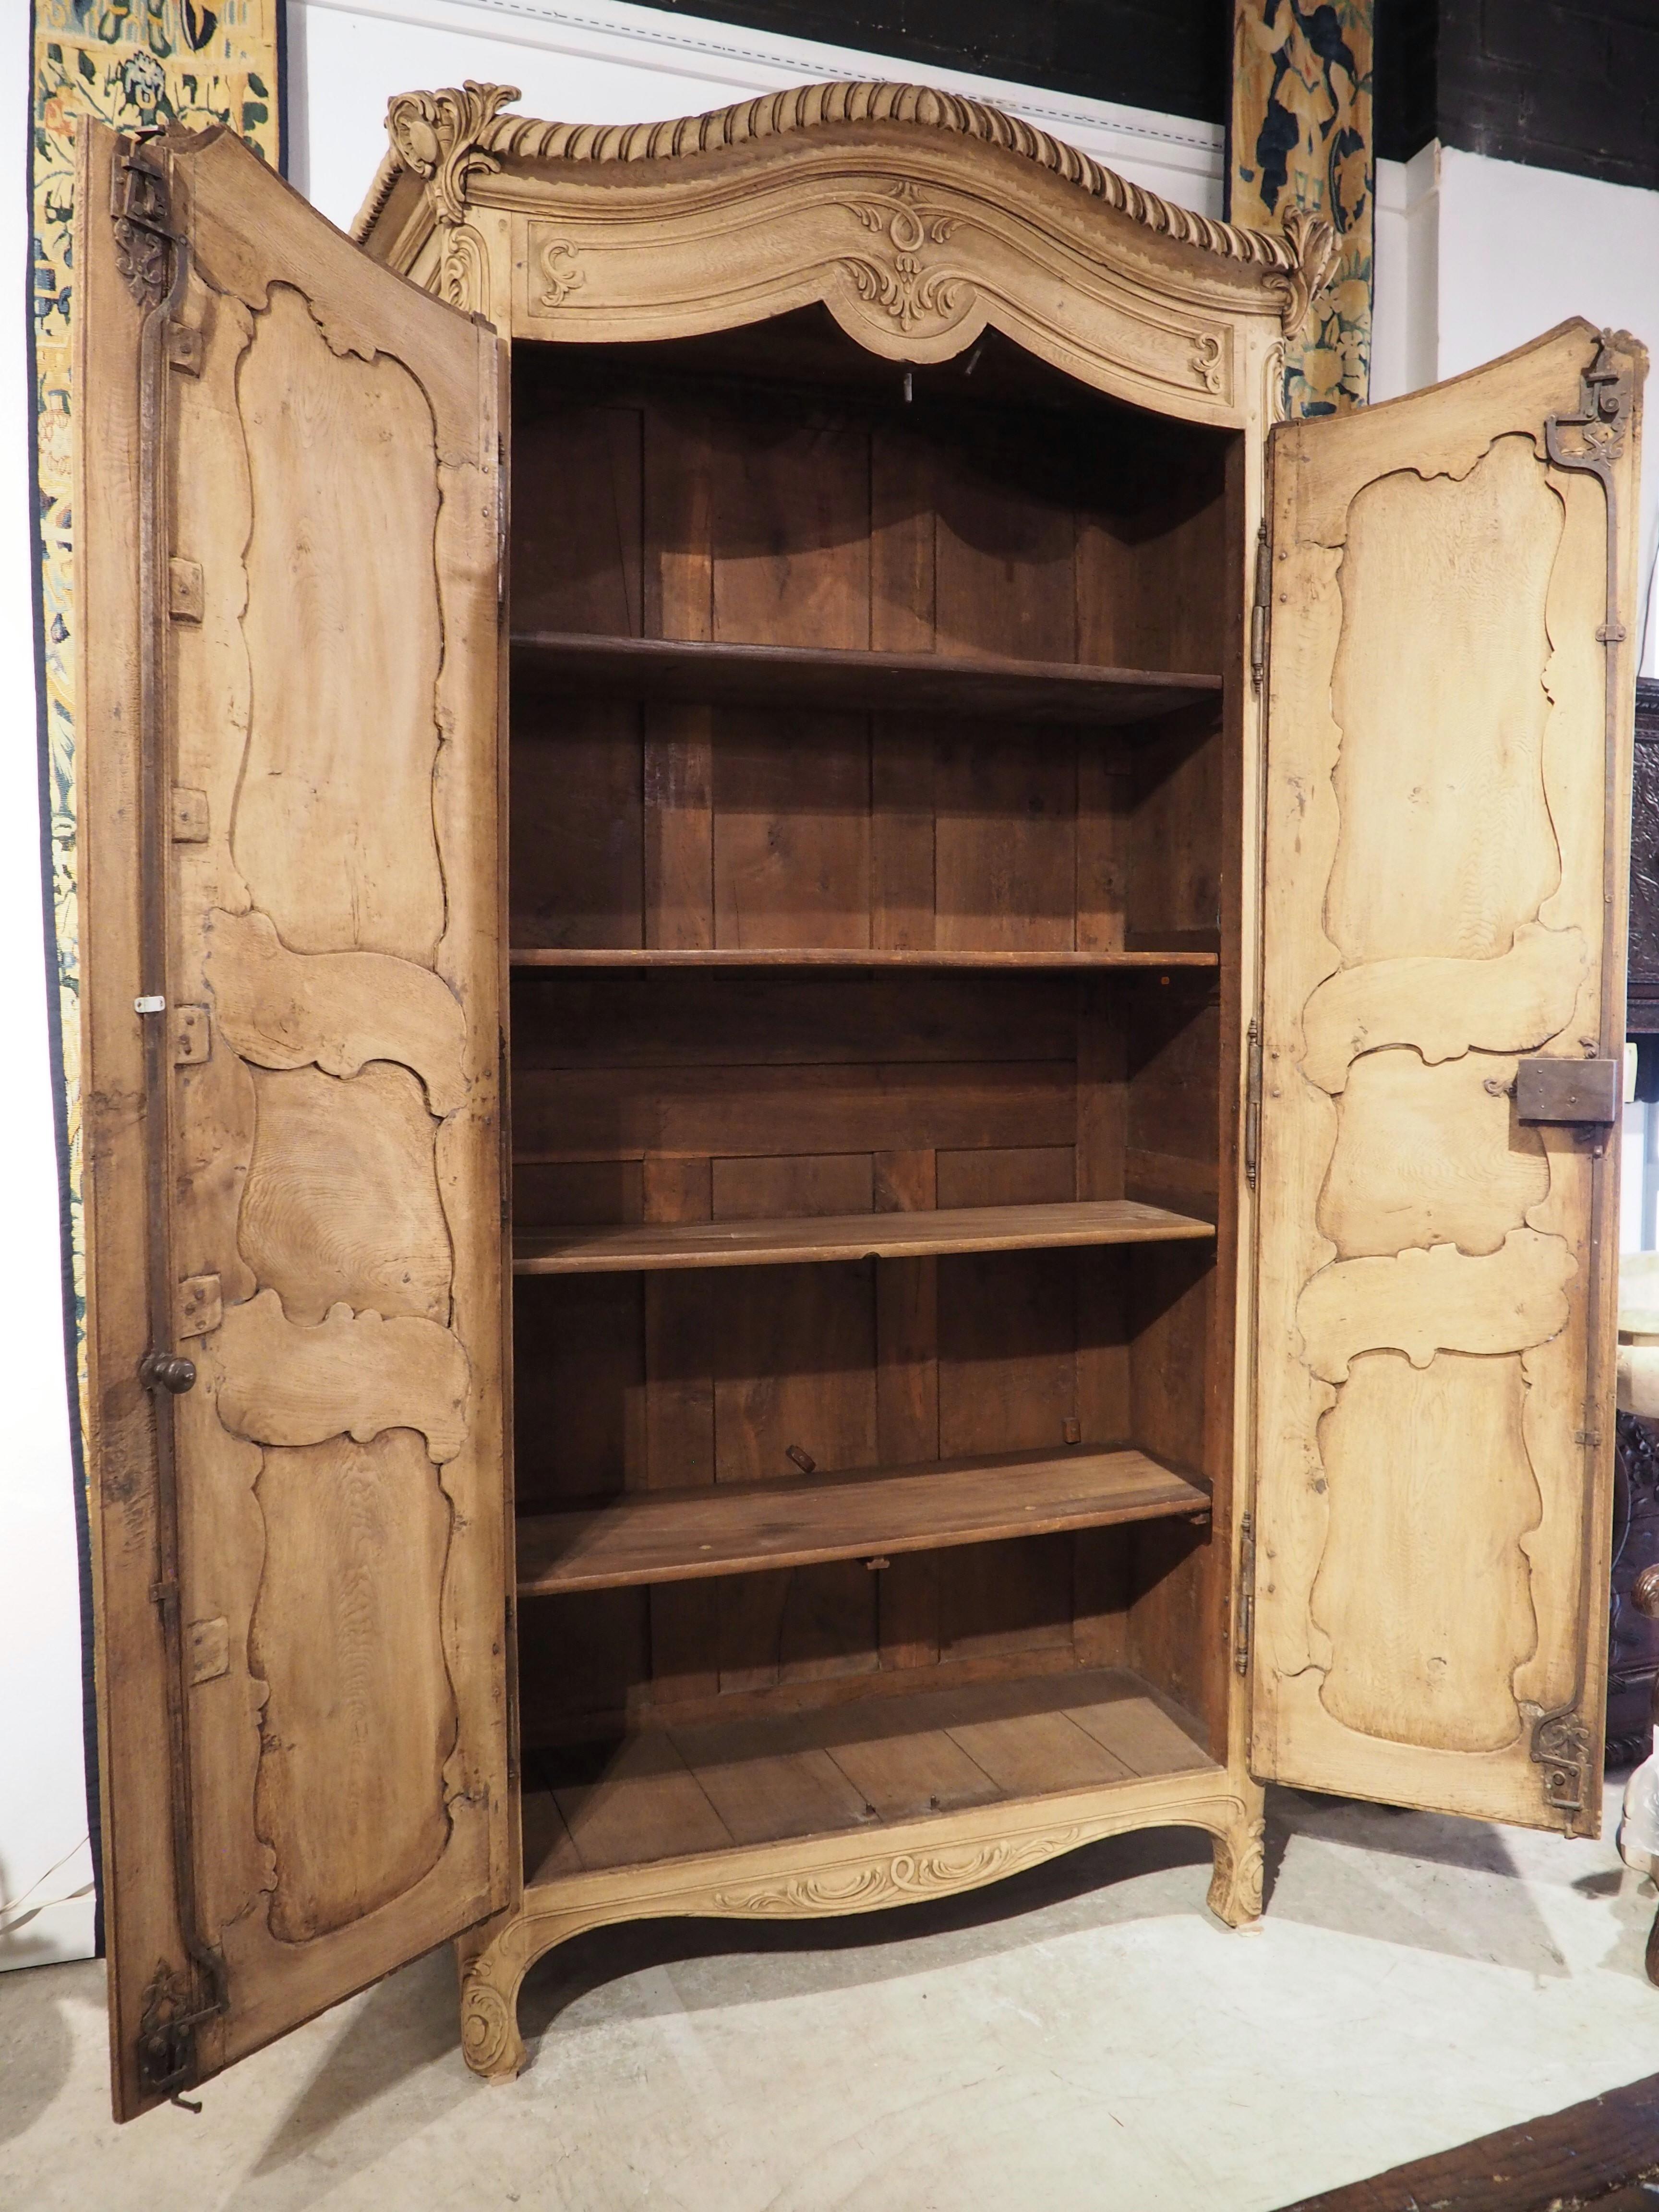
<point>1447,817</point>
<point>288,520</point>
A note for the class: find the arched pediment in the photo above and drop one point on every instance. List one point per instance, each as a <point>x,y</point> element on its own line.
<point>917,217</point>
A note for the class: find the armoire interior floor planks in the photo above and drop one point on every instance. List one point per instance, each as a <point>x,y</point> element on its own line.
<point>665,1793</point>
<point>730,1527</point>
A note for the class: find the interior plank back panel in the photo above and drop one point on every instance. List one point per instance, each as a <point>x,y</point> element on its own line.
<point>841,675</point>
<point>720,512</point>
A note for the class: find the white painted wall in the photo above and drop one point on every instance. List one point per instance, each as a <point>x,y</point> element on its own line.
<point>45,1868</point>
<point>1473,256</point>
<point>606,62</point>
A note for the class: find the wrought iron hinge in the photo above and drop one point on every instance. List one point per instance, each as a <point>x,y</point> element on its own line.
<point>504,1153</point>
<point>1252,1101</point>
<point>142,206</point>
<point>1244,1598</point>
<point>501,522</point>
<point>1561,1744</point>
<point>167,2032</point>
<point>1263,593</point>
<point>510,1660</point>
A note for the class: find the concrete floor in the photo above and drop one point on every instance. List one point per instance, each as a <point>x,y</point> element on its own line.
<point>1083,2037</point>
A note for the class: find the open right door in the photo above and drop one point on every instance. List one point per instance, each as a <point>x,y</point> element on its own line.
<point>1446,801</point>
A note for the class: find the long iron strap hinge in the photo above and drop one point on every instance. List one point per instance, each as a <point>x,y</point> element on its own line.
<point>1258,604</point>
<point>1244,1596</point>
<point>153,259</point>
<point>1252,1102</point>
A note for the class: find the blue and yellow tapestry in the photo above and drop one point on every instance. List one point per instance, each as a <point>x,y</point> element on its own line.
<point>1301,138</point>
<point>136,63</point>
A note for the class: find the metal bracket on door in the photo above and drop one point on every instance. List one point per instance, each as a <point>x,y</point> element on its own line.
<point>1244,1603</point>
<point>1587,1093</point>
<point>1561,1744</point>
<point>1259,608</point>
<point>1252,1102</point>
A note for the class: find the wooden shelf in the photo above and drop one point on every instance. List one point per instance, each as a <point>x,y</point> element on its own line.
<point>726,1529</point>
<point>560,957</point>
<point>842,682</point>
<point>669,1792</point>
<point>583,1250</point>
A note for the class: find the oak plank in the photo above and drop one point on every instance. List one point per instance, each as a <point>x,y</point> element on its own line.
<point>733,1528</point>
<point>1138,1732</point>
<point>1000,688</point>
<point>767,1780</point>
<point>584,1250</point>
<point>912,913</point>
<point>1037,1751</point>
<point>725,1110</point>
<point>647,1804</point>
<point>666,1792</point>
<point>679,1427</point>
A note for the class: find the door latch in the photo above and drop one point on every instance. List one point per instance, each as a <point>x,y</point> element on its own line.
<point>1573,1090</point>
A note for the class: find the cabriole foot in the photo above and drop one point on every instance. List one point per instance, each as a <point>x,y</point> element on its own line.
<point>1236,1887</point>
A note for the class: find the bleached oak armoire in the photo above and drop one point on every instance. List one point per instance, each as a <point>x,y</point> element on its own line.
<point>1056,960</point>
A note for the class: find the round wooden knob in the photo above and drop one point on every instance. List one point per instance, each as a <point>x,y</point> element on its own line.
<point>167,1370</point>
<point>1644,1592</point>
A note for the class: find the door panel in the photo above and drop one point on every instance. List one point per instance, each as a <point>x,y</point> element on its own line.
<point>288,510</point>
<point>1447,787</point>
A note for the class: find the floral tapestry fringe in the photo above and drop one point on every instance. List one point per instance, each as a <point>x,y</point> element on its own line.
<point>1300,137</point>
<point>135,63</point>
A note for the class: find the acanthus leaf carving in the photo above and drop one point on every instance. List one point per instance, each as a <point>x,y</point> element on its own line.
<point>1314,249</point>
<point>441,137</point>
<point>1236,1887</point>
<point>899,277</point>
<point>463,274</point>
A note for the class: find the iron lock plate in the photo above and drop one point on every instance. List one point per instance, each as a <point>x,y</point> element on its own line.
<point>1585,1091</point>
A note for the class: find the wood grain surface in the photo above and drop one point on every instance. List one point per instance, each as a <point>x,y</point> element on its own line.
<point>723,673</point>
<point>328,868</point>
<point>580,1250</point>
<point>1603,2152</point>
<point>735,1527</point>
<point>1438,905</point>
<point>663,1793</point>
<point>817,956</point>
